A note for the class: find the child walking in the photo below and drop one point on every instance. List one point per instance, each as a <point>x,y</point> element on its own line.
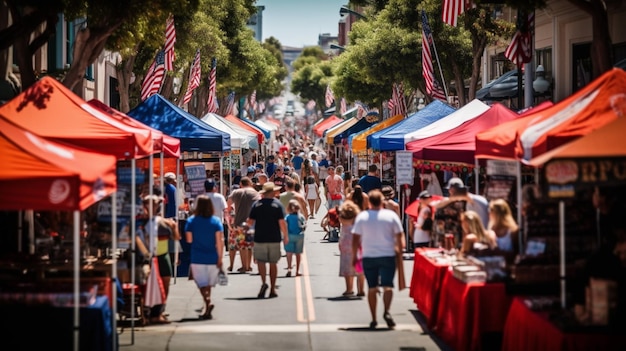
<point>312,194</point>
<point>295,228</point>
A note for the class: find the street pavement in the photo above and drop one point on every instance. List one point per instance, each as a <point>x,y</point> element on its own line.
<point>308,314</point>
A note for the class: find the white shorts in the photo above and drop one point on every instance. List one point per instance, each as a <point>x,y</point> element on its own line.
<point>204,274</point>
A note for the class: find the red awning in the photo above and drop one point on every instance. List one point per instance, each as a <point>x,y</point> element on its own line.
<point>170,146</point>
<point>595,105</point>
<point>50,110</point>
<point>40,174</point>
<point>325,124</point>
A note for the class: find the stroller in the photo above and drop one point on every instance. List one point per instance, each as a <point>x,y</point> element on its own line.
<point>331,224</point>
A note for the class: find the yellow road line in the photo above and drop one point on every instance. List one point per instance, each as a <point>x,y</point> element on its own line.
<point>308,293</point>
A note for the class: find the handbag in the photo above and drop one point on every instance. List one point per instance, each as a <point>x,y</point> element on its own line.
<point>155,291</point>
<point>336,196</point>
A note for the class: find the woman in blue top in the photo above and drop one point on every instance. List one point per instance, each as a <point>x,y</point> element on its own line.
<point>204,232</point>
<point>295,228</point>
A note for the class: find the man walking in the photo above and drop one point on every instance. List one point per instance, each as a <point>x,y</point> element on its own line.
<point>370,181</point>
<point>242,200</point>
<point>378,232</point>
<point>334,189</point>
<point>267,217</point>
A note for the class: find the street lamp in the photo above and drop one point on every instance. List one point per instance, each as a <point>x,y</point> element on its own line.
<point>344,11</point>
<point>541,85</point>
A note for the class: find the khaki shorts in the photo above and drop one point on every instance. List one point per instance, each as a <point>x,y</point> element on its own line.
<point>267,252</point>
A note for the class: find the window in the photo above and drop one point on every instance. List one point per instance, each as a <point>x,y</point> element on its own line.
<point>581,65</point>
<point>543,57</point>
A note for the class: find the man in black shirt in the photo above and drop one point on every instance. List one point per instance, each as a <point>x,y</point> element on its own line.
<point>267,217</point>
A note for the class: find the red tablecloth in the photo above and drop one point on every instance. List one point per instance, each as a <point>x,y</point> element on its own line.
<point>426,284</point>
<point>467,310</point>
<point>529,330</point>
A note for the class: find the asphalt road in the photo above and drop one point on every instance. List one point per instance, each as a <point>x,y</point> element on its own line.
<point>308,314</point>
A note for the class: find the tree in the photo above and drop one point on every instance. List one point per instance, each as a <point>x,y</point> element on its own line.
<point>310,81</point>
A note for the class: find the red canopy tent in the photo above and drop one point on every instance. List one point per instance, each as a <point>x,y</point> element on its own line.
<point>50,110</point>
<point>259,134</point>
<point>170,146</point>
<point>325,124</point>
<point>593,106</point>
<point>459,144</point>
<point>44,175</point>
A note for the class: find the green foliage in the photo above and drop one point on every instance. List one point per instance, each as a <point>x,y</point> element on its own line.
<point>310,81</point>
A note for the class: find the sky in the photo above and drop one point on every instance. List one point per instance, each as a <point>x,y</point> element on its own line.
<point>299,22</point>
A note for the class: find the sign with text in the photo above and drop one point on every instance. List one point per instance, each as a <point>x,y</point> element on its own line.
<point>502,167</point>
<point>404,167</point>
<point>563,177</point>
<point>196,175</point>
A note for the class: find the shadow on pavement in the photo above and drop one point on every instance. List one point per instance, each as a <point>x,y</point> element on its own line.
<point>186,320</point>
<point>366,329</point>
<point>342,298</point>
<point>419,318</point>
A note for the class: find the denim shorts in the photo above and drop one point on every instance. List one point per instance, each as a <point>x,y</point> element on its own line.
<point>379,271</point>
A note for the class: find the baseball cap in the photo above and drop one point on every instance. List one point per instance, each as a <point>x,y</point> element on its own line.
<point>169,175</point>
<point>269,186</point>
<point>424,195</point>
<point>251,169</point>
<point>287,169</point>
<point>456,183</point>
<point>209,185</point>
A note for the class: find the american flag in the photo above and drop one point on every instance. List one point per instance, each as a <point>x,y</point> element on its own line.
<point>230,104</point>
<point>310,105</point>
<point>398,101</point>
<point>253,100</point>
<point>194,78</point>
<point>212,104</point>
<point>330,98</point>
<point>261,106</point>
<point>432,86</point>
<point>342,106</point>
<point>170,40</point>
<point>154,76</point>
<point>452,9</point>
<point>361,110</point>
<point>520,51</point>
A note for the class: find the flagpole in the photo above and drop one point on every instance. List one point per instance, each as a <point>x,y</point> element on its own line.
<point>443,82</point>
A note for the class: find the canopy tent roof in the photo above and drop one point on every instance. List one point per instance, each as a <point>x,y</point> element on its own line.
<point>326,124</point>
<point>162,142</point>
<point>272,120</point>
<point>194,135</point>
<point>40,174</point>
<point>466,113</point>
<point>259,134</point>
<point>595,105</point>
<point>499,142</point>
<point>47,108</point>
<point>458,144</point>
<point>265,131</point>
<point>604,142</point>
<point>338,128</point>
<point>267,125</point>
<point>360,125</point>
<point>392,138</point>
<point>358,142</point>
<point>350,113</point>
<point>239,136</point>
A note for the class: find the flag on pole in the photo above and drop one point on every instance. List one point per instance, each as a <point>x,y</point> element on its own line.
<point>452,9</point>
<point>361,109</point>
<point>330,98</point>
<point>520,51</point>
<point>342,106</point>
<point>194,78</point>
<point>230,104</point>
<point>310,105</point>
<point>397,100</point>
<point>170,40</point>
<point>433,88</point>
<point>253,100</point>
<point>154,76</point>
<point>212,104</point>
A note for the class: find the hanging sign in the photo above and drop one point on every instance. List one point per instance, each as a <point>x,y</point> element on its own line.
<point>404,167</point>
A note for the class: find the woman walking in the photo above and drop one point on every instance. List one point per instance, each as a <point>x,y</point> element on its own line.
<point>204,232</point>
<point>347,213</point>
<point>312,194</point>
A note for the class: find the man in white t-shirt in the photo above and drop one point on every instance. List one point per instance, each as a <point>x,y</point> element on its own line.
<point>378,232</point>
<point>219,205</point>
<point>422,226</point>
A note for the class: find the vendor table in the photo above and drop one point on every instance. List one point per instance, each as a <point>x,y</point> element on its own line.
<point>42,327</point>
<point>526,329</point>
<point>426,283</point>
<point>468,310</point>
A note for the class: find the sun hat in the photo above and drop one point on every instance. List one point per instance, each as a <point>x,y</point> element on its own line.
<point>269,186</point>
<point>424,195</point>
<point>169,175</point>
<point>456,183</point>
<point>152,198</point>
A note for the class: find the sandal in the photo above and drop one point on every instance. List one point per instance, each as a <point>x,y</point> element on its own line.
<point>373,324</point>
<point>390,323</point>
<point>262,292</point>
<point>348,293</point>
<point>288,274</point>
<point>273,295</point>
<point>361,294</point>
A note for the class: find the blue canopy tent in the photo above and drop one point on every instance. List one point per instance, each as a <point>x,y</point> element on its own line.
<point>361,125</point>
<point>392,138</point>
<point>194,135</point>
